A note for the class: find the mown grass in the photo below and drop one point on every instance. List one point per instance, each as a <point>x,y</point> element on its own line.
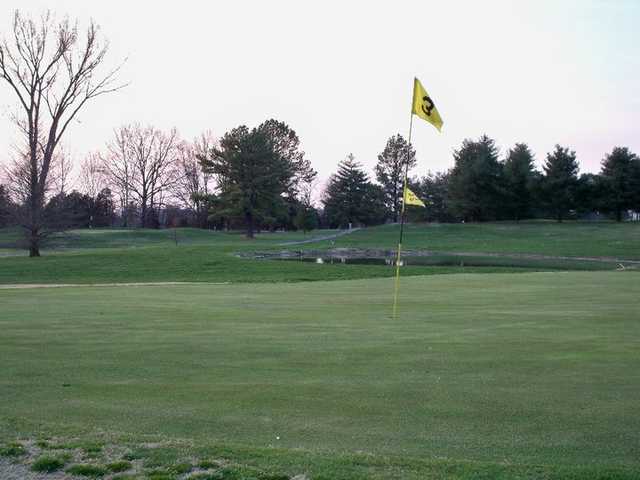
<point>105,256</point>
<point>575,239</point>
<point>504,375</point>
<point>482,376</point>
<point>100,238</point>
<point>202,264</point>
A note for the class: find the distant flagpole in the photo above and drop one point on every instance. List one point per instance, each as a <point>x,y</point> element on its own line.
<point>402,212</point>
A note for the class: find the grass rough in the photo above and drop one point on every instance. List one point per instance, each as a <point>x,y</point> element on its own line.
<point>87,470</point>
<point>12,449</point>
<point>118,467</point>
<point>47,464</point>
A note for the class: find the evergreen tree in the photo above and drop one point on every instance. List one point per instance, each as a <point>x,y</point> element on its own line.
<point>620,178</point>
<point>560,181</point>
<point>256,171</point>
<point>390,170</point>
<point>519,178</point>
<point>7,208</point>
<point>433,190</point>
<point>306,218</point>
<point>589,196</point>
<point>68,211</point>
<point>104,208</point>
<point>286,146</point>
<point>374,208</point>
<point>350,198</point>
<point>475,183</point>
<point>250,176</point>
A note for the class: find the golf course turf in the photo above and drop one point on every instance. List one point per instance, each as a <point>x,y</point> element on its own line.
<point>481,375</point>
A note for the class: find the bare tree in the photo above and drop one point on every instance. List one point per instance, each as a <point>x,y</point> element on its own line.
<point>92,176</point>
<point>306,192</point>
<point>61,167</point>
<point>202,145</point>
<point>142,164</point>
<point>53,73</point>
<point>118,167</point>
<point>193,184</point>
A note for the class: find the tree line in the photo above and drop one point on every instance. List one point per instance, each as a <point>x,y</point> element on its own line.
<point>481,186</point>
<point>250,178</point>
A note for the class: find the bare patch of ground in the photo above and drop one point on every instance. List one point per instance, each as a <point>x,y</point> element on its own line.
<point>19,471</point>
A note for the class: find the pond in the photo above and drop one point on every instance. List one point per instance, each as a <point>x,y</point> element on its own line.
<point>454,261</point>
<point>420,261</point>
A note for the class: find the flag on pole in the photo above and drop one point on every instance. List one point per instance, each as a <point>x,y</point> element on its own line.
<point>424,107</point>
<point>411,198</point>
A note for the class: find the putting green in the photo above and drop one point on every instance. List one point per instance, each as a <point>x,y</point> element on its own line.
<point>526,368</point>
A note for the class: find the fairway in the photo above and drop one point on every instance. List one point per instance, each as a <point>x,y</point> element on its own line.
<point>531,368</point>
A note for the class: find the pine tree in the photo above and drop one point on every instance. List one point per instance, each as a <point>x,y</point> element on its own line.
<point>306,218</point>
<point>6,207</point>
<point>257,170</point>
<point>519,176</point>
<point>620,170</point>
<point>390,171</point>
<point>475,181</point>
<point>433,190</point>
<point>560,181</point>
<point>250,176</point>
<point>350,198</point>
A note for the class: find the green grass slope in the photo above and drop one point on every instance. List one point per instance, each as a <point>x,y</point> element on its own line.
<point>529,369</point>
<point>137,255</point>
<point>575,239</point>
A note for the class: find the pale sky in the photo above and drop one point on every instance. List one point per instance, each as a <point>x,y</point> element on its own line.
<point>340,73</point>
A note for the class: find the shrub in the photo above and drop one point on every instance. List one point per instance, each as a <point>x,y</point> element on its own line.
<point>117,467</point>
<point>180,468</point>
<point>47,464</point>
<point>87,470</point>
<point>134,455</point>
<point>206,476</point>
<point>207,464</point>
<point>160,475</point>
<point>12,450</point>
<point>92,449</point>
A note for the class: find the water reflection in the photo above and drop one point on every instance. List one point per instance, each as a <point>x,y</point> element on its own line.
<point>362,261</point>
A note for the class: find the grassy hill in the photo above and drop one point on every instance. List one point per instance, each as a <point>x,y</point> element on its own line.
<point>137,255</point>
<point>575,239</point>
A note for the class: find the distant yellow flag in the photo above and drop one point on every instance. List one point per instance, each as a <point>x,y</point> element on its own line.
<point>411,198</point>
<point>424,107</point>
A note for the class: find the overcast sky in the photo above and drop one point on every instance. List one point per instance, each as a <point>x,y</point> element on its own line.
<point>341,73</point>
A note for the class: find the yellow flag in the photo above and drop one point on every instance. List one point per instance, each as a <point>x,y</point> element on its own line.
<point>423,105</point>
<point>411,198</point>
